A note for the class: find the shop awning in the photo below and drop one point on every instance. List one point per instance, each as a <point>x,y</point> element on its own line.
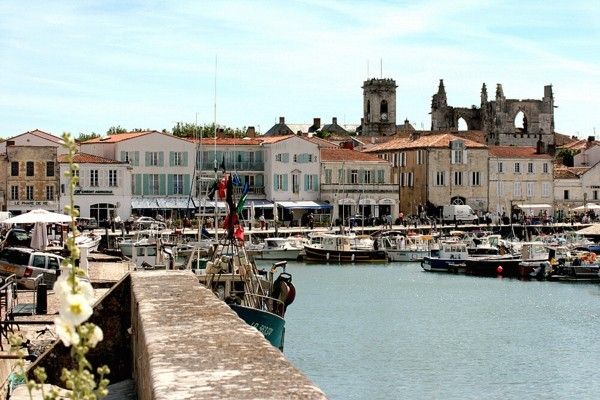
<point>259,203</point>
<point>162,203</point>
<point>313,205</point>
<point>533,206</point>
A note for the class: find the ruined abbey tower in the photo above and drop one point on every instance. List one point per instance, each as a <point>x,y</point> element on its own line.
<point>379,107</point>
<point>496,118</point>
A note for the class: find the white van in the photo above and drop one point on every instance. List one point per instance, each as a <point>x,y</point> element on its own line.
<point>460,213</point>
<point>5,215</point>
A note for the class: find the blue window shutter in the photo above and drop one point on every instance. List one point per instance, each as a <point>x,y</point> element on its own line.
<point>285,182</point>
<point>162,189</point>
<point>146,182</point>
<point>259,180</point>
<point>136,158</point>
<point>186,183</point>
<point>147,158</point>
<point>170,184</point>
<point>123,155</point>
<point>305,182</point>
<point>161,159</point>
<point>286,158</point>
<point>138,184</point>
<point>171,158</point>
<point>185,156</point>
<point>275,181</point>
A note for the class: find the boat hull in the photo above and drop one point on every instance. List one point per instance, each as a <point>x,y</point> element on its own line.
<point>288,255</point>
<point>314,254</point>
<point>270,325</point>
<point>407,255</point>
<point>435,264</point>
<point>493,266</point>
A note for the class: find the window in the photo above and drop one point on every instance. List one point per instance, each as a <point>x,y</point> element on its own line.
<point>380,176</point>
<point>368,176</point>
<point>310,182</point>
<point>30,169</point>
<point>327,176</point>
<point>517,168</point>
<point>402,159</point>
<point>154,184</point>
<point>500,188</point>
<point>545,168</point>
<point>458,178</point>
<point>500,167</point>
<point>295,183</point>
<point>395,159</point>
<point>420,157</point>
<point>112,178</point>
<point>50,168</point>
<point>152,158</point>
<point>178,159</point>
<point>49,192</point>
<point>282,157</point>
<point>440,178</point>
<point>410,179</point>
<point>279,181</point>
<point>131,157</point>
<point>403,179</point>
<point>566,195</point>
<point>545,189</point>
<point>178,184</point>
<point>595,195</point>
<point>530,168</point>
<point>517,189</point>
<point>29,192</point>
<point>39,261</point>
<point>295,157</point>
<point>14,168</point>
<point>475,178</point>
<point>530,189</point>
<point>94,177</point>
<point>457,154</point>
<point>340,176</point>
<point>14,192</point>
<point>354,176</point>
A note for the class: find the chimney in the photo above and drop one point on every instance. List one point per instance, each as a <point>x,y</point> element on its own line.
<point>317,122</point>
<point>251,132</point>
<point>334,120</point>
<point>220,133</point>
<point>282,120</point>
<point>590,142</point>
<point>540,146</point>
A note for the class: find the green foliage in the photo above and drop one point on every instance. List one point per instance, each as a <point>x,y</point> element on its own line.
<point>323,134</point>
<point>182,129</point>
<point>567,156</point>
<point>86,136</point>
<point>115,130</point>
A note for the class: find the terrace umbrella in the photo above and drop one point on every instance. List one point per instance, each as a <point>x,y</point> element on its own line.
<point>252,215</point>
<point>39,215</point>
<point>275,217</point>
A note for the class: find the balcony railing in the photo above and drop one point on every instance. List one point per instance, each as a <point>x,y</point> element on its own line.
<point>238,166</point>
<point>359,188</point>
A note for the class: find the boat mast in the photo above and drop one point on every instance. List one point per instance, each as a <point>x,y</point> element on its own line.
<point>216,208</point>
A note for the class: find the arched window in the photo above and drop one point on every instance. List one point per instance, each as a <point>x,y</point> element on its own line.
<point>458,200</point>
<point>368,110</point>
<point>462,124</point>
<point>521,122</point>
<point>383,110</point>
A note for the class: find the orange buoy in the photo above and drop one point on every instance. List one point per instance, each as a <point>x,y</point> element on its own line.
<point>499,270</point>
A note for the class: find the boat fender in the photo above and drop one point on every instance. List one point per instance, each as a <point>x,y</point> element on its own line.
<point>352,257</point>
<point>284,290</point>
<point>327,256</point>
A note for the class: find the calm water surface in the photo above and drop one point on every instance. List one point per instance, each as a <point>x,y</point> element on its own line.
<point>395,332</point>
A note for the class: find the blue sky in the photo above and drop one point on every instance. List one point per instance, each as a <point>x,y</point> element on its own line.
<point>85,66</point>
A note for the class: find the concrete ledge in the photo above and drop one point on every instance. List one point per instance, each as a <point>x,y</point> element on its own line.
<point>187,344</point>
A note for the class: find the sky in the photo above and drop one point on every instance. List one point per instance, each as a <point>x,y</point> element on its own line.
<point>84,66</point>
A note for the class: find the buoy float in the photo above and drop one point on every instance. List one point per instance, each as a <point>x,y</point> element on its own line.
<point>499,270</point>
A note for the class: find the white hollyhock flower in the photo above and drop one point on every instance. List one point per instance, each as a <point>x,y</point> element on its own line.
<point>95,337</point>
<point>66,332</point>
<point>75,309</point>
<point>86,289</point>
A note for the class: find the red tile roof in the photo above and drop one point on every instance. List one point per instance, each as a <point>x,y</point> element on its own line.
<point>439,140</point>
<point>322,142</point>
<point>338,154</point>
<point>84,158</point>
<point>40,134</point>
<point>516,152</point>
<point>124,136</point>
<point>569,172</point>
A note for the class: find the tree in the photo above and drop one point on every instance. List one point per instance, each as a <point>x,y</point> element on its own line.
<point>115,130</point>
<point>567,156</point>
<point>86,136</point>
<point>182,129</point>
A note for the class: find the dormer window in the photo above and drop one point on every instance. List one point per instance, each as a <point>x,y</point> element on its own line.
<point>457,149</point>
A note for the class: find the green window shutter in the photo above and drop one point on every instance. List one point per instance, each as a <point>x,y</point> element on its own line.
<point>171,158</point>
<point>305,182</point>
<point>137,190</point>
<point>186,183</point>
<point>136,158</point>
<point>316,181</point>
<point>259,180</point>
<point>123,155</point>
<point>162,184</point>
<point>348,176</point>
<point>275,181</point>
<point>161,159</point>
<point>170,184</point>
<point>380,178</point>
<point>185,158</point>
<point>147,159</point>
<point>285,182</point>
<point>286,158</point>
<point>146,183</point>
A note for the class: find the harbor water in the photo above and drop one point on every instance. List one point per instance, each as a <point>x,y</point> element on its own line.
<point>396,332</point>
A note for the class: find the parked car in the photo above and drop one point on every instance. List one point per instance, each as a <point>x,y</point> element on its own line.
<point>84,223</point>
<point>17,237</point>
<point>28,264</point>
<point>144,223</point>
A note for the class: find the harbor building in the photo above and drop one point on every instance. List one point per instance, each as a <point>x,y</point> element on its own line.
<point>104,188</point>
<point>435,170</point>
<point>519,175</point>
<point>357,183</point>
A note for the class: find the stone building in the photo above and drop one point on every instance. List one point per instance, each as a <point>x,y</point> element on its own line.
<point>31,178</point>
<point>379,107</point>
<point>435,170</point>
<point>519,175</point>
<point>496,118</point>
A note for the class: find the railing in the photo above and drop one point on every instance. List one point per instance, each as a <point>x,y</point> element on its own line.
<point>359,187</point>
<point>238,166</point>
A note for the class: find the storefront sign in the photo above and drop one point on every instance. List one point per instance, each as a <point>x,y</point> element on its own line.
<point>84,192</point>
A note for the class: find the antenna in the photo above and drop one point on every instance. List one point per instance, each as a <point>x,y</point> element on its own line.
<point>215,116</point>
<point>381,68</point>
<point>367,68</point>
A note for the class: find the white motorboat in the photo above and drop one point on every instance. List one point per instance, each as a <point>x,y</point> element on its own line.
<point>278,248</point>
<point>404,248</point>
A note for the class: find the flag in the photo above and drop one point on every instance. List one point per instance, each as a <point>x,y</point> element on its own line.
<point>213,190</point>
<point>222,166</point>
<point>232,217</point>
<point>241,202</point>
<point>222,186</point>
<point>236,180</point>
